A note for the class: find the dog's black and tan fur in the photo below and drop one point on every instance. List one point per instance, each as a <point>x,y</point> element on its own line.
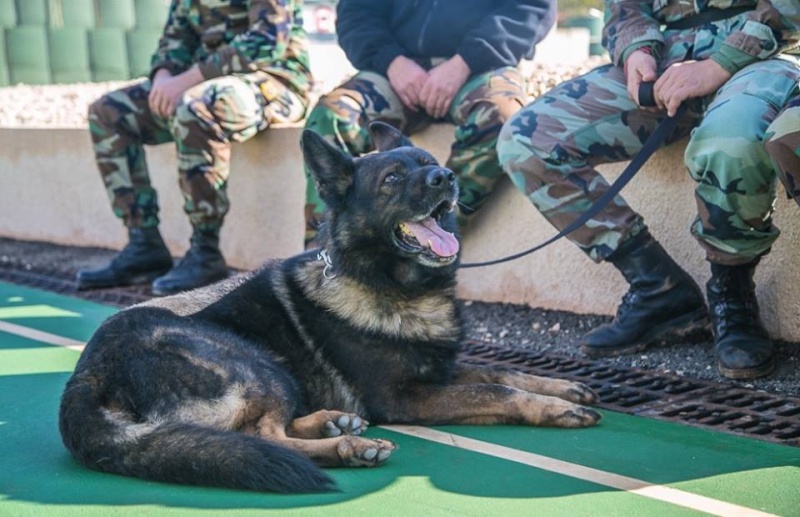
<point>256,381</point>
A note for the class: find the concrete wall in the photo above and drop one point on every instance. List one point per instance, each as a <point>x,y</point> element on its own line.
<point>50,190</point>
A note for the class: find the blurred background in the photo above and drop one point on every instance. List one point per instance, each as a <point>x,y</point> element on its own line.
<point>74,41</point>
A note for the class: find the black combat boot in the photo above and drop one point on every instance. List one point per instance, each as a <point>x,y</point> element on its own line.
<point>203,264</point>
<point>663,299</point>
<point>144,258</point>
<point>741,344</point>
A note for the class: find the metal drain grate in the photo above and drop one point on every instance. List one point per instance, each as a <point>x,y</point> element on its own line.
<point>662,396</point>
<point>659,395</point>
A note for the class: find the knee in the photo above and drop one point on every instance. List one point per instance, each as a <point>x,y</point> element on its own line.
<point>99,113</point>
<point>516,144</point>
<point>333,109</point>
<point>779,148</point>
<point>726,158</point>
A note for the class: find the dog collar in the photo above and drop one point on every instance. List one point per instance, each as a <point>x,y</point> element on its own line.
<point>327,272</point>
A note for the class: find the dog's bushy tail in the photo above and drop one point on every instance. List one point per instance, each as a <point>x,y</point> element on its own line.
<point>110,441</point>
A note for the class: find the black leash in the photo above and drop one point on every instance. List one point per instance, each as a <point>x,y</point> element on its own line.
<point>650,146</point>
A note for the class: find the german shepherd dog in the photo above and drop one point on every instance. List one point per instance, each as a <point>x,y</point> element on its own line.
<point>261,379</point>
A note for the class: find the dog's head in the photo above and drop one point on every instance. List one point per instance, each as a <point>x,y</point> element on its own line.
<point>394,206</point>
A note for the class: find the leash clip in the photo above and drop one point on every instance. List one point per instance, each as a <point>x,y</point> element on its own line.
<point>327,272</point>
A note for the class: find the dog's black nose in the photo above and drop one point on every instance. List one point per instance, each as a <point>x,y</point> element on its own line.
<point>440,177</point>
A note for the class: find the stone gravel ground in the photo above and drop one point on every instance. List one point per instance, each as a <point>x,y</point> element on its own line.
<point>517,326</point>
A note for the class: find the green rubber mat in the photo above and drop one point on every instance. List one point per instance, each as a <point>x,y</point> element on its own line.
<point>625,466</point>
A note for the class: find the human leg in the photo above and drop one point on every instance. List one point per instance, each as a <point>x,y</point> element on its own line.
<point>479,111</point>
<point>550,150</point>
<point>342,117</point>
<point>735,196</point>
<point>783,145</point>
<point>120,123</point>
<point>210,116</point>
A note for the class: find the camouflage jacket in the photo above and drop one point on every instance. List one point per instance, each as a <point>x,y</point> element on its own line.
<point>772,27</point>
<point>226,37</point>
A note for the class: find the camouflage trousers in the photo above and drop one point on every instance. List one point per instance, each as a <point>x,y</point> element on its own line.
<point>478,111</point>
<point>550,150</point>
<point>209,117</point>
<point>783,146</point>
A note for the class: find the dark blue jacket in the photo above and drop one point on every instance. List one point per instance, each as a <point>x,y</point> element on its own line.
<point>488,34</point>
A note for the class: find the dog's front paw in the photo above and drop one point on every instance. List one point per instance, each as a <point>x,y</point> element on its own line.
<point>356,451</point>
<point>581,394</point>
<point>344,423</point>
<point>576,416</point>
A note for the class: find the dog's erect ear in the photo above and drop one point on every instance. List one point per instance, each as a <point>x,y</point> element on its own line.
<point>332,169</point>
<point>387,137</point>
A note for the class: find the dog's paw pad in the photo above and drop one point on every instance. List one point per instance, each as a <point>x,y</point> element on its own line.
<point>344,423</point>
<point>331,430</point>
<point>364,452</point>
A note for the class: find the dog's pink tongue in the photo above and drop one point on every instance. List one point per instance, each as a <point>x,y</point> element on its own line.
<point>428,233</point>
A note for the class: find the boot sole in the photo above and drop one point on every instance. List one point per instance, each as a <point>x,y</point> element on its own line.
<point>747,373</point>
<point>133,280</point>
<point>680,326</point>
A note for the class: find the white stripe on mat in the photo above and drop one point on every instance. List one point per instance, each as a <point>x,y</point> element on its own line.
<point>600,477</point>
<point>43,337</point>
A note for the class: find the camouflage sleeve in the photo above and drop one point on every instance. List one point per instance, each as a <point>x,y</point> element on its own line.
<point>264,43</point>
<point>178,42</point>
<point>630,24</point>
<point>773,27</point>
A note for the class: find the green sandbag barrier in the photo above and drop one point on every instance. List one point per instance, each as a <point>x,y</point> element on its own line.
<point>151,14</point>
<point>142,43</point>
<point>117,14</point>
<point>8,14</point>
<point>109,55</point>
<point>69,55</point>
<point>28,57</point>
<point>78,13</point>
<point>32,12</point>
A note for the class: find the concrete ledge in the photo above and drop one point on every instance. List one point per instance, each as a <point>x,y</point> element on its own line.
<point>51,192</point>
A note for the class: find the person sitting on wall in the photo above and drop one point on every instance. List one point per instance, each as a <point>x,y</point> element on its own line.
<point>223,71</point>
<point>727,63</point>
<point>425,61</point>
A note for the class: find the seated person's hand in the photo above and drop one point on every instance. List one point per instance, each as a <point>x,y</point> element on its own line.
<point>640,67</point>
<point>688,80</point>
<point>407,78</point>
<point>167,90</point>
<point>442,85</point>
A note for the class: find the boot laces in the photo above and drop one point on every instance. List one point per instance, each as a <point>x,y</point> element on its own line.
<point>735,309</point>
<point>629,299</point>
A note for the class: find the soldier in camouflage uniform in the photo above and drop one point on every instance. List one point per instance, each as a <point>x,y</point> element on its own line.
<point>223,72</point>
<point>427,61</point>
<point>726,60</point>
<point>783,145</point>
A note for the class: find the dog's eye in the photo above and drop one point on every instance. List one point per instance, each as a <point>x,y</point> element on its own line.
<point>391,177</point>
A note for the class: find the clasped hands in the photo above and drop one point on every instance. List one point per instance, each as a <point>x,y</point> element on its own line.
<point>429,90</point>
<point>679,82</point>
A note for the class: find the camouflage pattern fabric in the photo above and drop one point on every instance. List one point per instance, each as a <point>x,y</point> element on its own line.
<point>550,148</point>
<point>254,57</point>
<point>211,115</point>
<point>783,146</point>
<point>478,111</point>
<point>771,27</point>
<point>236,37</point>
